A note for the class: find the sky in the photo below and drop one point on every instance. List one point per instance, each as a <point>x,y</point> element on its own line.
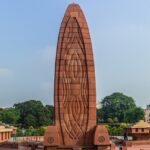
<point>120,33</point>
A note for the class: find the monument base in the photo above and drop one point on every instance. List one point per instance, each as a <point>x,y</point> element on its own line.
<point>106,147</point>
<point>71,148</point>
<point>100,142</point>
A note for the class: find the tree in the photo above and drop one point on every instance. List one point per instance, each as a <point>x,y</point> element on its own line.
<point>1,110</point>
<point>109,120</point>
<point>99,115</point>
<point>134,115</point>
<point>116,129</point>
<point>115,107</point>
<point>33,113</point>
<point>9,115</point>
<point>30,120</point>
<point>50,111</point>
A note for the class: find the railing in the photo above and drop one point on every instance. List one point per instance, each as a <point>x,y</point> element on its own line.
<point>28,139</point>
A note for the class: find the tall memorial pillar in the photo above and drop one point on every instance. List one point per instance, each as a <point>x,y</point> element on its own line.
<point>75,90</point>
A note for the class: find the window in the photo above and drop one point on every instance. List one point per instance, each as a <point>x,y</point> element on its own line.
<point>136,130</point>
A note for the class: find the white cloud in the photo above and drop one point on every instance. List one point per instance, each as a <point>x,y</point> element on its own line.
<point>6,73</point>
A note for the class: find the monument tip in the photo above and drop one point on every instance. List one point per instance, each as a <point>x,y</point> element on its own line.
<point>73,4</point>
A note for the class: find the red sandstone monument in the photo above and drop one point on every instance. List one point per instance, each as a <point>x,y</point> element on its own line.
<point>75,91</point>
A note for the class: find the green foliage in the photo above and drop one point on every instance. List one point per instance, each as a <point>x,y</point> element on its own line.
<point>116,130</point>
<point>1,110</point>
<point>115,120</point>
<point>116,107</point>
<point>29,120</point>
<point>19,133</point>
<point>9,115</point>
<point>134,115</point>
<point>31,117</point>
<point>41,131</point>
<point>34,113</point>
<point>31,131</point>
<point>119,108</point>
<point>109,120</point>
<point>99,116</point>
<point>26,114</point>
<point>50,112</point>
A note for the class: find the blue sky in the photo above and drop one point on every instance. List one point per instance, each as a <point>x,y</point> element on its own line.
<point>120,32</point>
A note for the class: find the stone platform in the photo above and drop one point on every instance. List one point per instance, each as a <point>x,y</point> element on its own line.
<point>71,148</point>
<point>137,145</point>
<point>80,148</point>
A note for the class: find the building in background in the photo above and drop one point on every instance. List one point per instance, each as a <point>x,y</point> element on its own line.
<point>6,132</point>
<point>139,131</point>
<point>147,114</point>
<point>141,136</point>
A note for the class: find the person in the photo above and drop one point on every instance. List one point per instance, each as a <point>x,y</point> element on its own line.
<point>125,136</point>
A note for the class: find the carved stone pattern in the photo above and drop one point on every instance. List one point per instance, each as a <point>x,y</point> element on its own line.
<point>101,139</point>
<point>50,140</point>
<point>75,83</point>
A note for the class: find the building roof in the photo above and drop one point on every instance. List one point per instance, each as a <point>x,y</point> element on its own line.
<point>141,124</point>
<point>6,128</point>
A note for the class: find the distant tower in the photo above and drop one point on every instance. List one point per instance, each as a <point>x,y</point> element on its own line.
<point>147,114</point>
<point>75,91</point>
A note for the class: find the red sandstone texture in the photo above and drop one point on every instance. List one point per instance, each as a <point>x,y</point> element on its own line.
<point>137,145</point>
<point>101,136</point>
<point>75,96</point>
<point>75,91</point>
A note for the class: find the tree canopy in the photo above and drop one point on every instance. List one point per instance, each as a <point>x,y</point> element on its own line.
<point>134,115</point>
<point>9,115</point>
<point>34,113</point>
<point>26,114</point>
<point>118,107</point>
